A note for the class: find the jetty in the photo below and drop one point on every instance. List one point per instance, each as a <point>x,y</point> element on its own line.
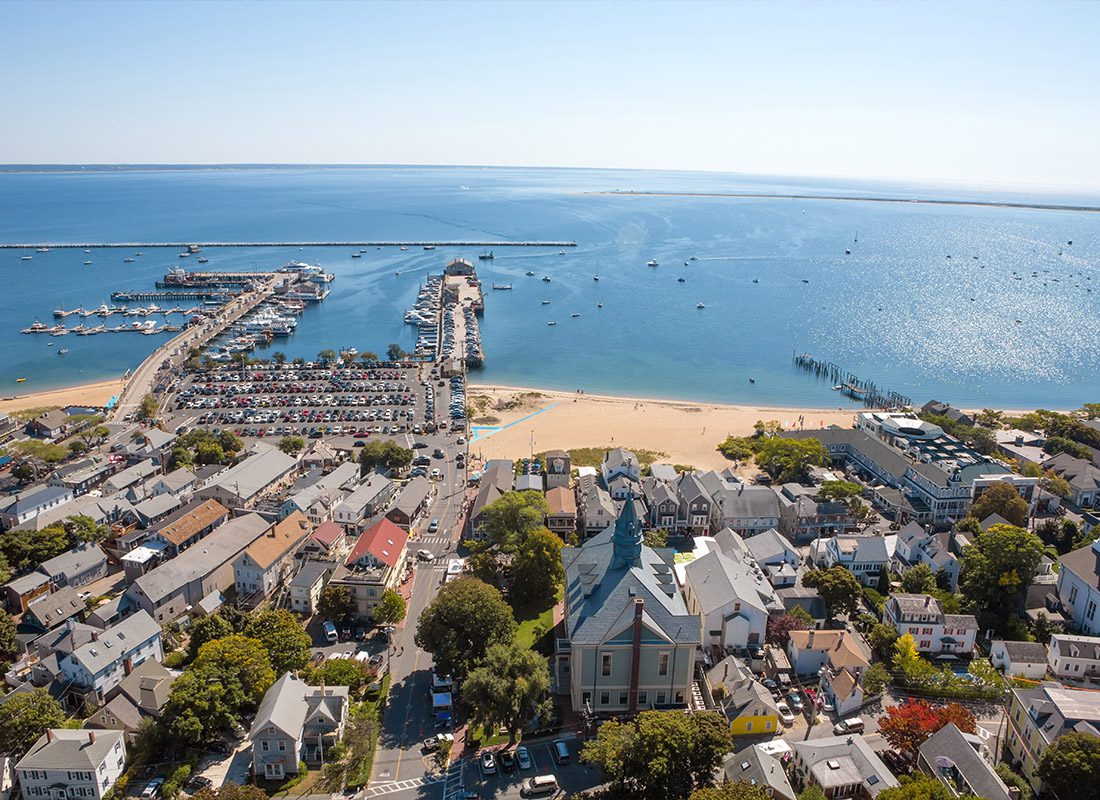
<point>847,383</point>
<point>190,245</point>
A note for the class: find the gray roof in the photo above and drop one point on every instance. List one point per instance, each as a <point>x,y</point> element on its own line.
<point>718,580</point>
<point>73,562</point>
<point>1026,652</point>
<point>116,641</point>
<point>747,502</point>
<point>1080,474</point>
<point>1084,647</point>
<point>34,497</point>
<point>619,457</point>
<point>608,608</point>
<point>131,475</point>
<point>156,506</point>
<point>656,492</point>
<point>871,448</point>
<point>60,605</point>
<point>119,713</point>
<point>769,546</point>
<point>203,558</point>
<point>178,478</point>
<point>950,744</point>
<point>260,469</point>
<point>310,572</point>
<point>870,548</point>
<point>412,495</point>
<point>100,509</point>
<point>760,769</point>
<point>290,701</point>
<point>663,472</point>
<point>855,763</point>
<point>363,496</point>
<point>67,748</point>
<point>1084,562</point>
<point>1056,710</point>
<point>529,483</point>
<point>148,685</point>
<point>805,598</point>
<point>27,583</point>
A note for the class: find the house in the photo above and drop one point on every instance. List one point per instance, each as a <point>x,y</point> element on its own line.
<point>189,525</point>
<point>917,545</point>
<point>83,763</point>
<point>320,455</point>
<point>662,504</point>
<point>803,517</point>
<point>176,483</point>
<point>241,485</point>
<point>83,475</point>
<point>922,617</point>
<point>594,506</point>
<point>743,700</point>
<point>621,487</point>
<point>49,425</point>
<point>775,555</point>
<point>412,502</point>
<point>843,688</point>
<point>296,722</point>
<point>156,509</point>
<point>151,443</point>
<point>1022,447</point>
<point>728,594</point>
<point>557,469</point>
<point>307,585</point>
<point>131,476</point>
<point>627,640</point>
<point>620,462</point>
<point>376,563</point>
<point>864,556</point>
<point>809,600</point>
<point>76,567</point>
<point>809,651</point>
<point>24,590</point>
<point>946,410</point>
<point>749,510</point>
<point>54,608</point>
<point>961,762</point>
<point>1079,587</point>
<point>94,669</point>
<point>843,766</point>
<point>760,768</point>
<point>141,694</point>
<point>30,503</point>
<point>101,510</point>
<point>320,495</point>
<point>1019,659</point>
<point>1082,475</point>
<point>328,540</point>
<point>266,563</point>
<point>496,479</point>
<point>1037,717</point>
<point>142,559</point>
<point>694,505</point>
<point>666,473</point>
<point>1074,656</point>
<point>529,483</point>
<point>363,503</point>
<point>561,512</point>
<point>170,589</point>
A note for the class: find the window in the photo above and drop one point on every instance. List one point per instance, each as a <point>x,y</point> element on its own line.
<point>1073,594</point>
<point>605,698</point>
<point>586,698</point>
<point>660,698</point>
<point>282,745</point>
<point>643,698</point>
<point>623,698</point>
<point>767,725</point>
<point>679,698</point>
<point>264,746</point>
<point>748,726</point>
<point>662,664</point>
<point>1091,610</point>
<point>605,669</point>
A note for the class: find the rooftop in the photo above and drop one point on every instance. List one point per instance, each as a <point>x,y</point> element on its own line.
<point>68,748</point>
<point>189,520</point>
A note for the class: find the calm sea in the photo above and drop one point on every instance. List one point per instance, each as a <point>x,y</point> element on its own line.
<point>978,306</point>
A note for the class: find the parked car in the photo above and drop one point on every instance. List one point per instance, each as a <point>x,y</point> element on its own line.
<point>851,725</point>
<point>794,700</point>
<point>507,760</point>
<point>539,786</point>
<point>152,788</point>
<point>523,757</point>
<point>561,751</point>
<point>785,713</point>
<point>488,762</point>
<point>435,742</point>
<point>433,526</point>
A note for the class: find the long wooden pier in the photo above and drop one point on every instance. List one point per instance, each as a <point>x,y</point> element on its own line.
<point>185,294</point>
<point>150,245</point>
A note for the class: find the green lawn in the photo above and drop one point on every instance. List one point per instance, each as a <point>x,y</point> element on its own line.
<point>535,622</point>
<point>359,773</point>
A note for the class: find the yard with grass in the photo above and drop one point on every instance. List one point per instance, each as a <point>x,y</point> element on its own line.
<point>535,622</point>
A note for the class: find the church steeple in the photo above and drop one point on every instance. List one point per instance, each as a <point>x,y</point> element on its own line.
<point>627,538</point>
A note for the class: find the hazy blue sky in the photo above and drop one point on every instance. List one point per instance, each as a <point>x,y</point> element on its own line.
<point>969,91</point>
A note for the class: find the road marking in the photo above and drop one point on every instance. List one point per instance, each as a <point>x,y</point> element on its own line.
<point>400,786</point>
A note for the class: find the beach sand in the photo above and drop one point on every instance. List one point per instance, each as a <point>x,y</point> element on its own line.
<point>88,394</point>
<point>687,432</point>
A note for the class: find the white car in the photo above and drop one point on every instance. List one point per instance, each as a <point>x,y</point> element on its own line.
<point>785,713</point>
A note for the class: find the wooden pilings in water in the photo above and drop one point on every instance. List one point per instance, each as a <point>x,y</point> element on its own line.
<point>864,391</point>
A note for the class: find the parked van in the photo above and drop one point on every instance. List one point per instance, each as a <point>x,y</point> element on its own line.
<point>561,751</point>
<point>330,632</point>
<point>853,725</point>
<point>538,786</point>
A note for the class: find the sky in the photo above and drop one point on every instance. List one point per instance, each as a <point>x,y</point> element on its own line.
<point>973,92</point>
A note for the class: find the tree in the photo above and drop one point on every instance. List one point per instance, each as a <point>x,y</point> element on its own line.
<point>989,418</point>
<point>1058,485</point>
<point>838,588</point>
<point>5,569</point>
<point>291,445</point>
<point>876,679</point>
<point>1059,444</point>
<point>77,448</point>
<point>537,569</point>
<point>341,672</point>
<point>27,549</point>
<point>8,647</point>
<point>660,754</point>
<point>741,790</point>
<point>390,609</point>
<point>232,791</point>
<point>483,566</point>
<point>1001,498</point>
<point>788,460</point>
<point>918,580</point>
<point>283,637</point>
<point>24,718</point>
<point>811,792</point>
<point>738,448</point>
<point>368,356</point>
<point>1013,780</point>
<point>882,638</point>
<point>512,516</point>
<point>278,357</point>
<point>908,663</point>
<point>779,629</point>
<point>509,688</point>
<point>147,408</point>
<point>921,787</point>
<point>395,353</point>
<point>907,726</point>
<point>206,629</point>
<point>465,619</point>
<point>384,453</point>
<point>84,529</point>
<point>335,603</point>
<point>1071,765</point>
<point>94,433</point>
<point>1043,628</point>
<point>845,492</point>
<point>997,568</point>
<point>326,355</point>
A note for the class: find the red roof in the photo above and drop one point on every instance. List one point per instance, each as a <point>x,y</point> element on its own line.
<point>384,541</point>
<point>328,533</point>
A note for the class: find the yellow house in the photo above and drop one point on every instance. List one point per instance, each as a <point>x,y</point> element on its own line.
<point>748,706</point>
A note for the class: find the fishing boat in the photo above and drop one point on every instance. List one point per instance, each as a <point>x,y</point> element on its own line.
<point>574,315</point>
<point>185,255</point>
<point>529,274</point>
<point>37,327</point>
<point>20,380</point>
<point>651,263</point>
<point>429,247</point>
<point>486,256</point>
<point>551,324</point>
<point>599,305</point>
<point>42,250</point>
<point>128,261</point>
<point>685,263</point>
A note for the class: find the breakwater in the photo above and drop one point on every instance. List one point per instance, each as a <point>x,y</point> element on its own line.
<point>150,245</point>
<point>847,383</point>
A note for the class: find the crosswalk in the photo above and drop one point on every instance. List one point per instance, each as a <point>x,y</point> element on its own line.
<point>451,780</point>
<point>433,540</point>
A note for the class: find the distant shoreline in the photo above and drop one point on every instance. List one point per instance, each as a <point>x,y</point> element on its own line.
<point>861,199</point>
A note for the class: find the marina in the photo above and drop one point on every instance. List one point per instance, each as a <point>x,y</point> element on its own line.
<point>446,316</point>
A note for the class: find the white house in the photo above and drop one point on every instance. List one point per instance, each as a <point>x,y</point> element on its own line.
<point>67,762</point>
<point>620,462</point>
<point>364,502</point>
<point>307,585</point>
<point>1019,659</point>
<point>809,651</point>
<point>1074,656</point>
<point>922,617</point>
<point>98,666</point>
<point>293,723</point>
<point>1079,587</point>
<point>732,598</point>
<point>915,545</point>
<point>29,504</point>
<point>843,689</point>
<point>863,556</point>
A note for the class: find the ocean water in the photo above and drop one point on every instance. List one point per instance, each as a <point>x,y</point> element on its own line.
<point>772,274</point>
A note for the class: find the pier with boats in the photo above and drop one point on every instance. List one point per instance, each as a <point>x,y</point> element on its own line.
<point>848,384</point>
<point>446,315</point>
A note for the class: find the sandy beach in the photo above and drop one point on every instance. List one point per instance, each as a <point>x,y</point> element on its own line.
<point>88,394</point>
<point>687,432</point>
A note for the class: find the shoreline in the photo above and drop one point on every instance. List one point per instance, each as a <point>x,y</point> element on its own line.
<point>94,393</point>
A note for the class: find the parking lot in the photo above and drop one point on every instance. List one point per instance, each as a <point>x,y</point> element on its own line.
<point>572,777</point>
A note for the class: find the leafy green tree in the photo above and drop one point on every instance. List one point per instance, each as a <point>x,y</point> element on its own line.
<point>147,408</point>
<point>512,516</point>
<point>838,588</point>
<point>27,549</point>
<point>741,790</point>
<point>81,529</point>
<point>989,418</point>
<point>738,448</point>
<point>997,568</point>
<point>94,434</point>
<point>368,356</point>
<point>508,688</point>
<point>291,445</point>
<point>660,754</point>
<point>811,792</point>
<point>1044,628</point>
<point>8,647</point>
<point>1059,444</point>
<point>882,638</point>
<point>283,637</point>
<point>876,679</point>
<point>920,787</point>
<point>384,453</point>
<point>335,603</point>
<point>1056,484</point>
<point>390,609</point>
<point>1001,498</point>
<point>465,619</point>
<point>483,566</point>
<point>907,662</point>
<point>1013,780</point>
<point>326,356</point>
<point>232,791</point>
<point>5,569</point>
<point>77,447</point>
<point>918,580</point>
<point>341,672</point>
<point>537,570</point>
<point>24,718</point>
<point>206,629</point>
<point>845,492</point>
<point>278,357</point>
<point>395,353</point>
<point>1071,765</point>
<point>787,460</point>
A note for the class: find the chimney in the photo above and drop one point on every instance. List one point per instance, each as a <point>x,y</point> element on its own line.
<point>49,734</point>
<point>95,636</point>
<point>91,737</point>
<point>322,687</point>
